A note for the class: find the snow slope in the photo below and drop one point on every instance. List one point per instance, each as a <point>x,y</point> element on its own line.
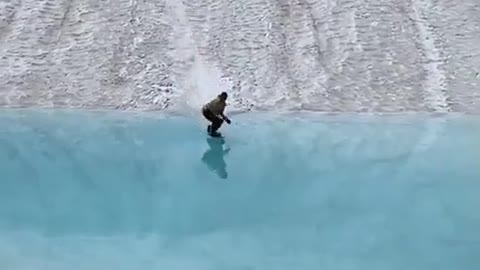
<point>329,55</point>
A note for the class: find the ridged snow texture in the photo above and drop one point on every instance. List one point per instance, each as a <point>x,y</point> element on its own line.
<point>329,55</point>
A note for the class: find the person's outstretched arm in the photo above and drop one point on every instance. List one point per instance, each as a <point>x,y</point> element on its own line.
<point>225,118</point>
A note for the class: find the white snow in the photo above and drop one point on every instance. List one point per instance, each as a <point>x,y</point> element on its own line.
<point>328,55</point>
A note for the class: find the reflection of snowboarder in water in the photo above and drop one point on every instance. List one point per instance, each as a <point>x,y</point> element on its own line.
<point>213,111</point>
<point>213,157</point>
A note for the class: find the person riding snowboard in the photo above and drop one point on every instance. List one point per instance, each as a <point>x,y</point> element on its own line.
<point>213,112</point>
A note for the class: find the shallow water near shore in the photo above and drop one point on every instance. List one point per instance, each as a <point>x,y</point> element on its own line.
<point>84,190</point>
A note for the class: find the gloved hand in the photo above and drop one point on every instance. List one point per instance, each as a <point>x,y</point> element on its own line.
<point>228,121</point>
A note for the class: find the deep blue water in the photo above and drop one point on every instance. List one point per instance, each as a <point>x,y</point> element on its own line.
<point>297,191</point>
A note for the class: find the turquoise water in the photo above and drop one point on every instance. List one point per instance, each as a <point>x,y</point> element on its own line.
<point>300,191</point>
